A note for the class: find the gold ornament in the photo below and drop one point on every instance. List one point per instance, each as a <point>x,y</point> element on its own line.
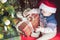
<point>1,36</point>
<point>3,1</point>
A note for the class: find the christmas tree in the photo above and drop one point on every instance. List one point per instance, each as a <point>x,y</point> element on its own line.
<point>7,20</point>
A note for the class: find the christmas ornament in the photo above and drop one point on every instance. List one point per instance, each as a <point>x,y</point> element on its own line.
<point>3,1</point>
<point>1,36</point>
<point>7,20</point>
<point>15,21</point>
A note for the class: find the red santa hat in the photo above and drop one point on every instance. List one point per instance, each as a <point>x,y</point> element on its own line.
<point>48,6</point>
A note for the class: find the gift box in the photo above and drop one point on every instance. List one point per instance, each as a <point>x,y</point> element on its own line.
<point>25,28</point>
<point>28,26</point>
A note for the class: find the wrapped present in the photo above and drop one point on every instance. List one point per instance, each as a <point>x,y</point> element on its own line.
<point>28,26</point>
<point>25,27</point>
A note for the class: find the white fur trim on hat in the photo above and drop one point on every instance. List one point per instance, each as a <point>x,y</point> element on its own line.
<point>47,8</point>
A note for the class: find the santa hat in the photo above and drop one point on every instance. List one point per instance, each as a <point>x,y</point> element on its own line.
<point>48,6</point>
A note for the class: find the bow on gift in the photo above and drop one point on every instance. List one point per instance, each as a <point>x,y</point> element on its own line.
<point>34,19</point>
<point>33,16</point>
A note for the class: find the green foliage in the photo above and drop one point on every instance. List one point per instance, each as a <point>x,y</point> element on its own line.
<point>6,12</point>
<point>10,9</point>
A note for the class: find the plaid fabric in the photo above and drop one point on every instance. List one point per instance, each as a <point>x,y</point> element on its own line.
<point>26,29</point>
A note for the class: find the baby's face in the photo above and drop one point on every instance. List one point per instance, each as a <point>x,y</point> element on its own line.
<point>46,13</point>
